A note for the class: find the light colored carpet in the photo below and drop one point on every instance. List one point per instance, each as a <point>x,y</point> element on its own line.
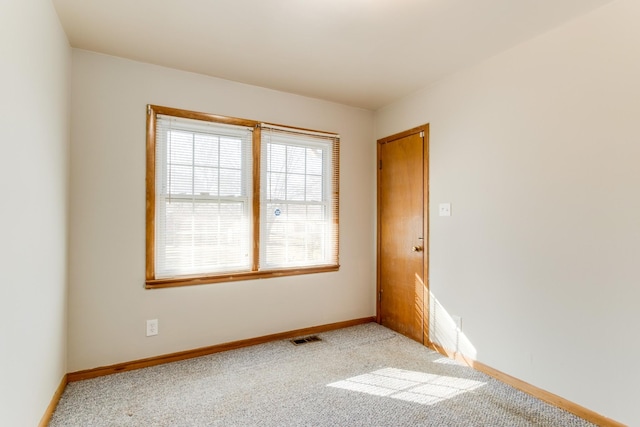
<point>361,376</point>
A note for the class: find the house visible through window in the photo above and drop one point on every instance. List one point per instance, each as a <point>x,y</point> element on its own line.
<point>234,199</point>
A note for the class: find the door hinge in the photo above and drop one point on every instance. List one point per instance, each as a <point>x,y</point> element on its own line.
<point>380,164</point>
<point>380,296</point>
<point>421,134</point>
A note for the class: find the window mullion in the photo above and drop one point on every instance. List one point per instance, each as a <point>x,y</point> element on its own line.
<point>255,196</point>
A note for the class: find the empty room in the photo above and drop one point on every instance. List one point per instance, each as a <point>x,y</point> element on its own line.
<point>347,212</point>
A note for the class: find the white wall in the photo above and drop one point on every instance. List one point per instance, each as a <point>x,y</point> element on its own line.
<point>34,101</point>
<point>108,304</point>
<point>538,150</point>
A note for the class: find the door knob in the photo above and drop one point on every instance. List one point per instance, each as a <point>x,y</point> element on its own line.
<point>416,249</point>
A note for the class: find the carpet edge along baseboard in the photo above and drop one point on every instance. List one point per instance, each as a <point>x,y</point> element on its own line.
<point>545,396</point>
<point>203,351</point>
<point>537,392</point>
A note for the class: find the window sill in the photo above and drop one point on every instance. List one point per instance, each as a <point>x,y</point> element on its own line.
<point>233,277</point>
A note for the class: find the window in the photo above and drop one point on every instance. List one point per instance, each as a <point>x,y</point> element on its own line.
<point>234,199</point>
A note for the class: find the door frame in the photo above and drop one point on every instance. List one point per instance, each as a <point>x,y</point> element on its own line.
<point>425,184</point>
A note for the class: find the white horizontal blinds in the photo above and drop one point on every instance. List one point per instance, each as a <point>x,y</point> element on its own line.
<point>299,199</point>
<point>203,197</point>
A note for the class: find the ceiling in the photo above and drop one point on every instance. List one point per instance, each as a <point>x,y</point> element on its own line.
<point>364,53</point>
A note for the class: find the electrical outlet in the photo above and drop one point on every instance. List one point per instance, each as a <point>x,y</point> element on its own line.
<point>152,327</point>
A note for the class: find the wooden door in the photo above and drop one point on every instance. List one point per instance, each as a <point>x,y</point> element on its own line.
<point>402,233</point>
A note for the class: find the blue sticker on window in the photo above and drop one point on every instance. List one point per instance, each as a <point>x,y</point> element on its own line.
<point>277,212</point>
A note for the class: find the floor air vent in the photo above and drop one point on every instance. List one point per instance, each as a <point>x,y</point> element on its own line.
<point>300,341</point>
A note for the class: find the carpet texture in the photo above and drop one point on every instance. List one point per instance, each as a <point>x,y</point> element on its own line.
<point>366,375</point>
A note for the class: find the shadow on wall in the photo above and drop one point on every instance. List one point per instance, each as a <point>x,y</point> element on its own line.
<point>446,333</point>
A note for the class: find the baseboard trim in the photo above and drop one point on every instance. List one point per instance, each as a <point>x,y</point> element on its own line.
<point>534,391</point>
<point>44,421</point>
<point>189,354</point>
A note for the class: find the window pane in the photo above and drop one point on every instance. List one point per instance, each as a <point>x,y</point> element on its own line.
<point>230,153</point>
<point>297,213</point>
<point>204,237</point>
<point>180,180</point>
<point>276,158</point>
<point>295,159</point>
<point>295,187</point>
<point>230,182</point>
<point>206,181</point>
<point>180,147</point>
<point>295,235</point>
<point>314,188</point>
<point>276,186</point>
<point>315,212</point>
<point>177,236</point>
<point>220,229</point>
<point>314,161</point>
<point>206,150</point>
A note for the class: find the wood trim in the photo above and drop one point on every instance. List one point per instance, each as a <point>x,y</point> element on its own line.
<point>151,193</point>
<point>378,231</point>
<point>46,418</point>
<point>196,115</point>
<point>552,399</point>
<point>406,133</point>
<point>234,277</point>
<point>189,354</point>
<point>256,177</point>
<point>318,133</point>
<point>425,235</point>
<point>336,193</point>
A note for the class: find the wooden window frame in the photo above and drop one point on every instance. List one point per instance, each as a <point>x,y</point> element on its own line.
<point>151,281</point>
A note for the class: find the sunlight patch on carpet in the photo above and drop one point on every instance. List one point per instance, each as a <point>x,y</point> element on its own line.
<point>411,386</point>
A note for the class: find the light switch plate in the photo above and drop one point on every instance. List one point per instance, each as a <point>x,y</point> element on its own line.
<point>445,209</point>
<point>152,327</point>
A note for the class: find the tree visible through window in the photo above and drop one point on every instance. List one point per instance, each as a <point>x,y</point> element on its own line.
<point>233,199</point>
